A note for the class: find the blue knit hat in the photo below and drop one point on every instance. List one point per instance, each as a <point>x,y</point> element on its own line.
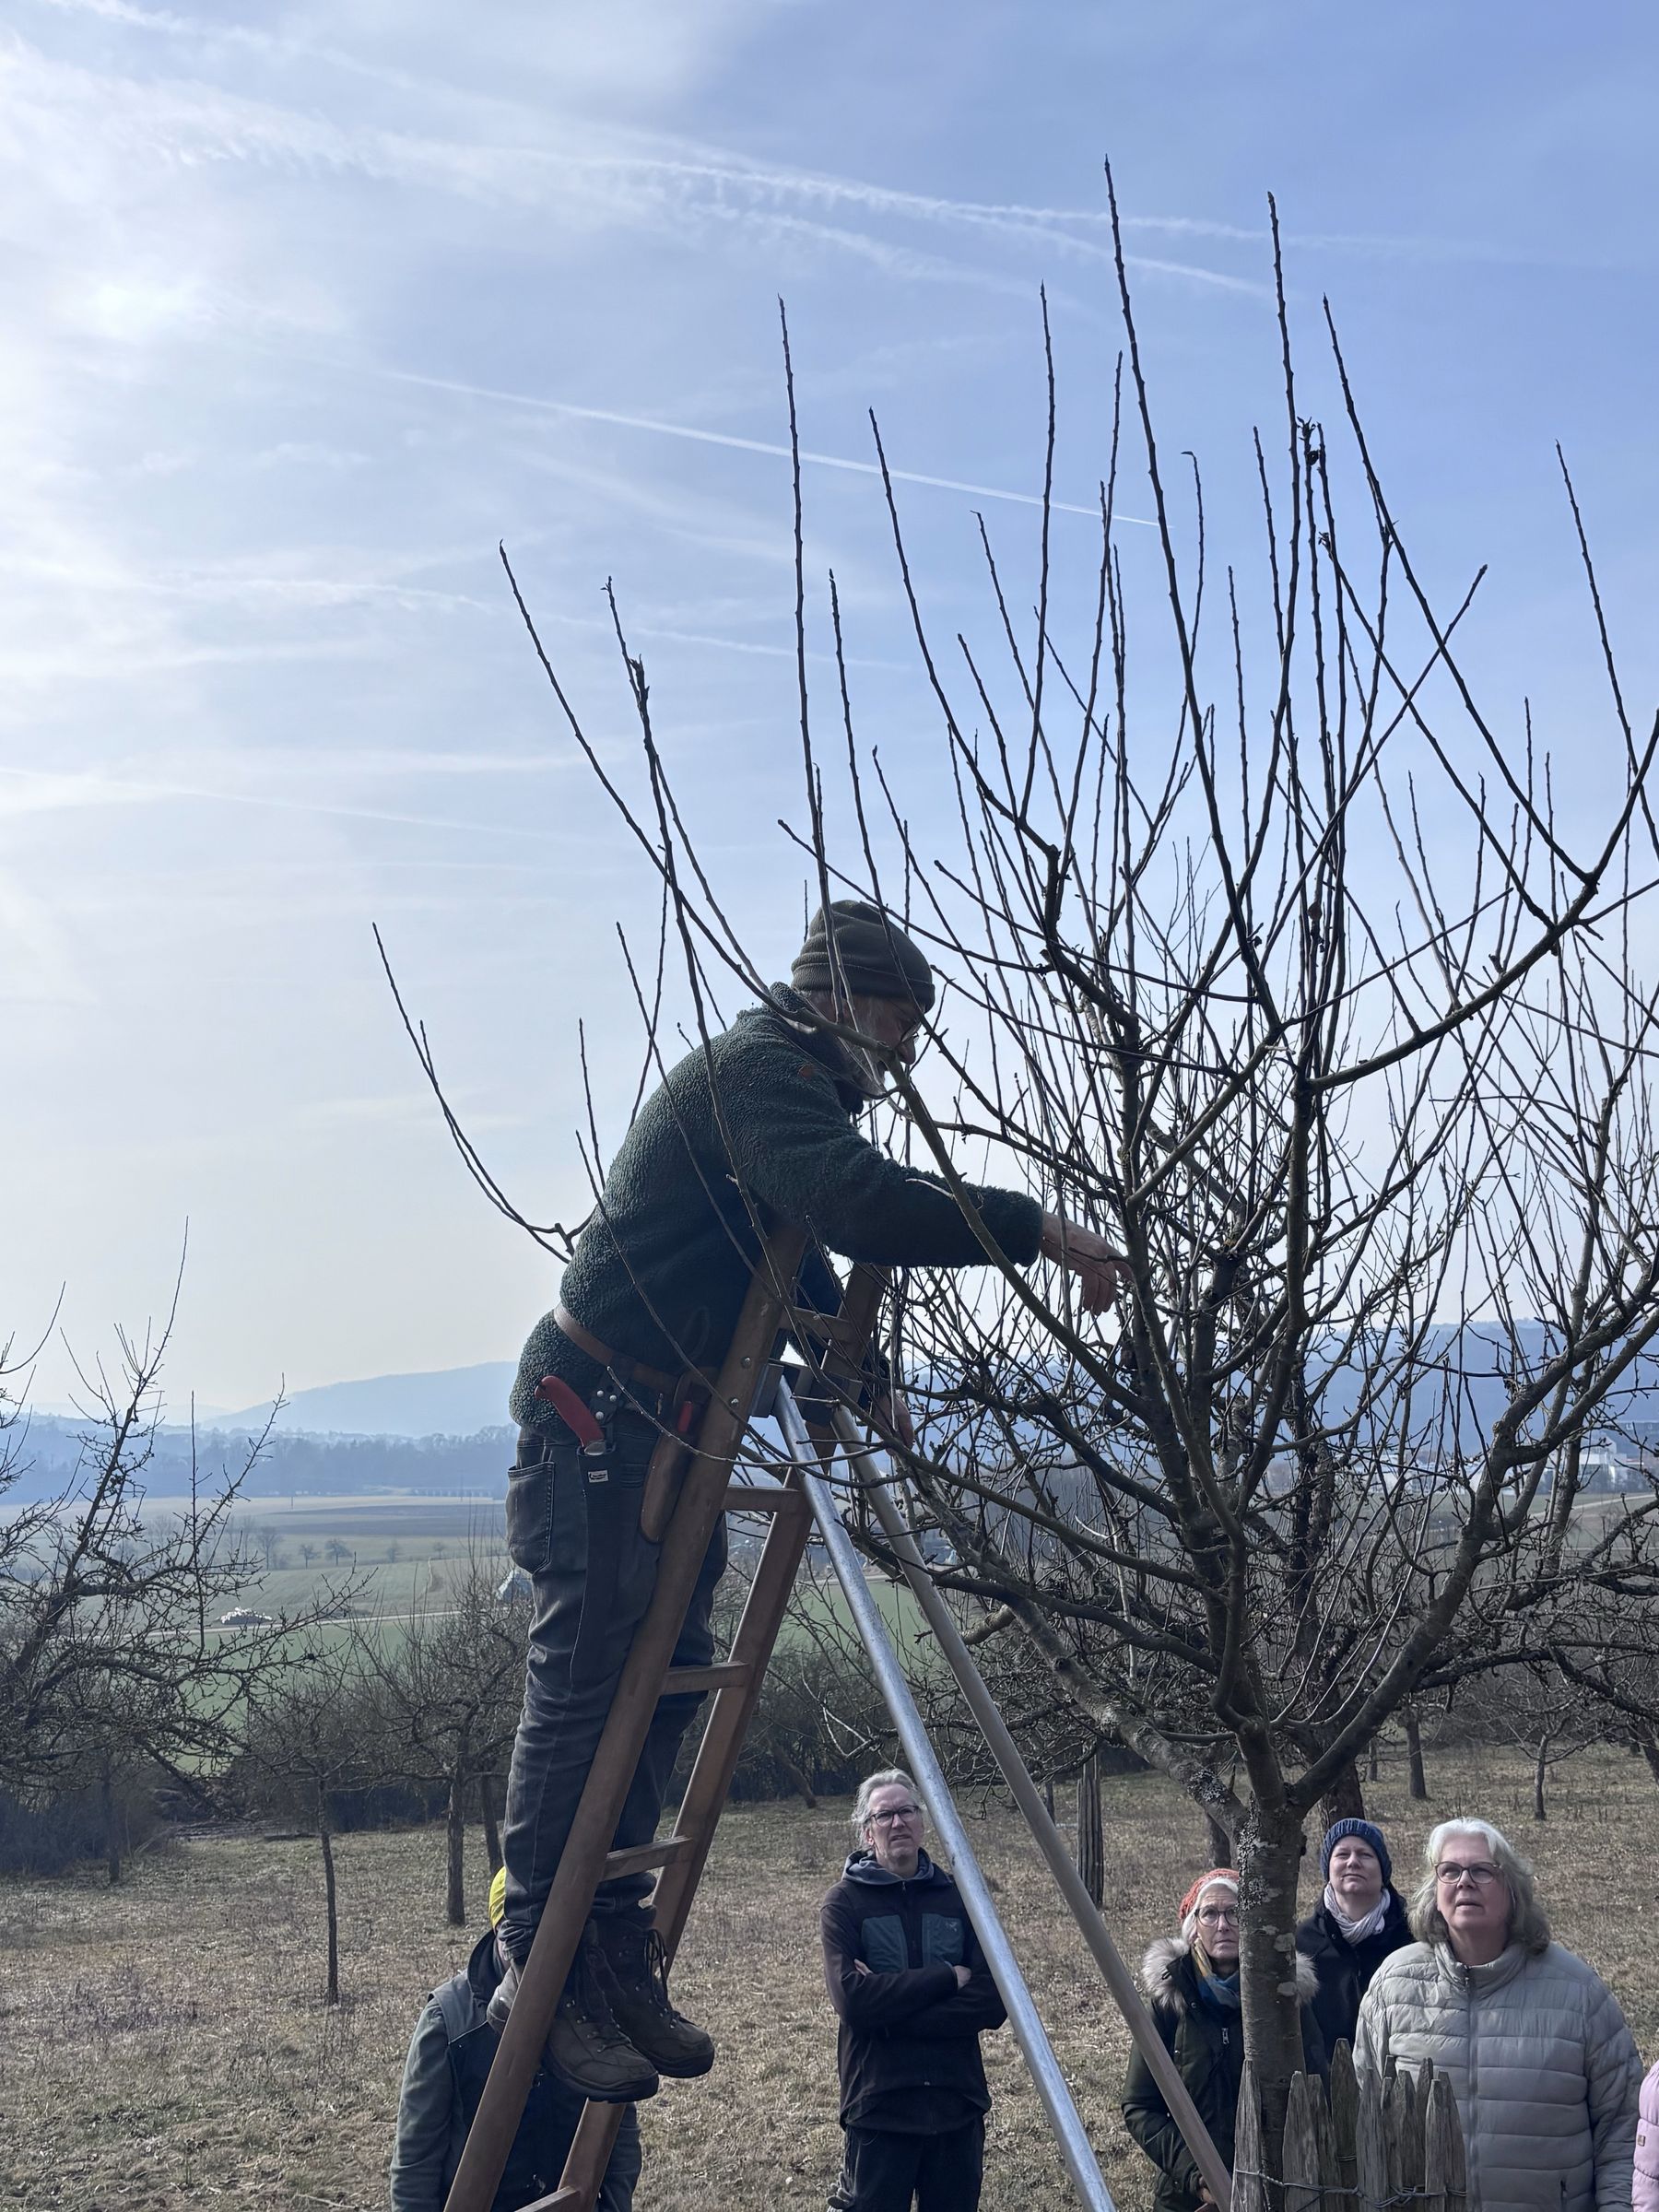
<point>1370,1837</point>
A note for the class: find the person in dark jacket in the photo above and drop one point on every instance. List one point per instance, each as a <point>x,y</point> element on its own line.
<point>1358,1922</point>
<point>906,1975</point>
<point>752,1130</point>
<point>443,2080</point>
<point>1192,1981</point>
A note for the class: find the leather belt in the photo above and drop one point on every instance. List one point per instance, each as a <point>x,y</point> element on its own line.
<point>625,1369</point>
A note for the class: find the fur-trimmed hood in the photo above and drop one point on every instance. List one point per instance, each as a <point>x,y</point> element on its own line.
<point>1169,1976</point>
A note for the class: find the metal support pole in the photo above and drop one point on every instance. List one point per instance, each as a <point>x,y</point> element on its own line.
<point>1028,2031</point>
<point>872,1485</point>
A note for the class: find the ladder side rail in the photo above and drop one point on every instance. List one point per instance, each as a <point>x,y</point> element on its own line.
<point>1028,2031</point>
<point>582,1865</point>
<point>1137,2016</point>
<point>706,1790</point>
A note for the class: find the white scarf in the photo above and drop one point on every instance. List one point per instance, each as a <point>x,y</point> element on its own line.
<point>1356,1931</point>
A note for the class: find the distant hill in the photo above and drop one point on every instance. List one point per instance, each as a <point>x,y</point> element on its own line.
<point>455,1401</point>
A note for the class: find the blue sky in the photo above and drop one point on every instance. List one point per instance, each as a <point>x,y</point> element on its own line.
<point>310,306</point>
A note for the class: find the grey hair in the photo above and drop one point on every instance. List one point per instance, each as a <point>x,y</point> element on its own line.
<point>888,1778</point>
<point>1528,1922</point>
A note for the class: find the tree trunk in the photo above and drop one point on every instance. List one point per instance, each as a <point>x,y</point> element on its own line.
<point>1269,1859</point>
<point>1414,1753</point>
<point>454,1901</point>
<point>106,1792</point>
<point>1344,1800</point>
<point>492,1827</point>
<point>325,1837</point>
<point>1373,1761</point>
<point>1218,1842</point>
<point>1048,1798</point>
<point>1540,1766</point>
<point>799,1782</point>
<point>1092,1840</point>
<point>1647,1743</point>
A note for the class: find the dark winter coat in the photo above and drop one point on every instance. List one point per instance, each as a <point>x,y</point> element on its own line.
<point>1208,2050</point>
<point>1344,1969</point>
<point>443,2080</point>
<point>908,2050</point>
<point>661,1271</point>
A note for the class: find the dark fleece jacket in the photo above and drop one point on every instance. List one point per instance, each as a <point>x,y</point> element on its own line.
<point>1208,2049</point>
<point>908,2049</point>
<point>1344,1969</point>
<point>661,1271</point>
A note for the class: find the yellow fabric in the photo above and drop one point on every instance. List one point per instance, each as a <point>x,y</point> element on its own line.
<point>498,1897</point>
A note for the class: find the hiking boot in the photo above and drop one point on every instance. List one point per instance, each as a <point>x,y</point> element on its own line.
<point>585,2048</point>
<point>637,1988</point>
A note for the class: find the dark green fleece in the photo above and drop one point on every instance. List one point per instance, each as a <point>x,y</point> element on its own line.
<point>661,1271</point>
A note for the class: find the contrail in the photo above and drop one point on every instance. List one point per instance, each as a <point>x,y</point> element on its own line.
<point>742,445</point>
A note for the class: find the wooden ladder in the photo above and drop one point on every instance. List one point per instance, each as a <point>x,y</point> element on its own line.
<point>707,1491</point>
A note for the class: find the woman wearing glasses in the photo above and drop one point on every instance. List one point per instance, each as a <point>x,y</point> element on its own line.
<point>1191,1981</point>
<point>1531,2037</point>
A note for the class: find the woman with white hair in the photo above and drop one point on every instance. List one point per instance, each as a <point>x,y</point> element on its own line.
<point>1532,2040</point>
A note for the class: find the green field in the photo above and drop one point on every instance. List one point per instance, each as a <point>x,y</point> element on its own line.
<point>406,1552</point>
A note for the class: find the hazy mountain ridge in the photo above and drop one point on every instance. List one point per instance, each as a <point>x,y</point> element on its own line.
<point>450,1401</point>
<point>447,1430</point>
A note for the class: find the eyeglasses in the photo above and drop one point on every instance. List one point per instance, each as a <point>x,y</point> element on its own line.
<point>1211,1914</point>
<point>899,1812</point>
<point>1449,1877</point>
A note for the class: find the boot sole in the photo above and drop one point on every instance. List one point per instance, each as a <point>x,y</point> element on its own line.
<point>601,2096</point>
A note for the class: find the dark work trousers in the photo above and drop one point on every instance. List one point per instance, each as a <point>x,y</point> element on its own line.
<point>887,2172</point>
<point>593,1574</point>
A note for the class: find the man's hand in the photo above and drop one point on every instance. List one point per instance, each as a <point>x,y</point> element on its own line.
<point>1102,1270</point>
<point>892,1412</point>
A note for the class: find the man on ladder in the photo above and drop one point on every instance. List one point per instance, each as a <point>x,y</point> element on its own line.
<point>752,1132</point>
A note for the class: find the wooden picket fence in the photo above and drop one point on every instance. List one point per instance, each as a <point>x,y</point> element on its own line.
<point>1364,2146</point>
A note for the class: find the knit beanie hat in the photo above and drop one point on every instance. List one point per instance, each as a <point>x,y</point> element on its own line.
<point>873,957</point>
<point>1218,1876</point>
<point>1369,1836</point>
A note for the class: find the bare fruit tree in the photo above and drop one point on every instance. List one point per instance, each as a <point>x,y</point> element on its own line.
<point>446,1682</point>
<point>1278,956</point>
<point>113,1661</point>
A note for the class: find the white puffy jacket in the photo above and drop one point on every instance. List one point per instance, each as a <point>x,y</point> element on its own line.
<point>1541,2062</point>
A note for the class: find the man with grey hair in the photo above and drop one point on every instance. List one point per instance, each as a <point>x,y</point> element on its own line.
<point>906,1975</point>
<point>1530,2037</point>
<point>754,1129</point>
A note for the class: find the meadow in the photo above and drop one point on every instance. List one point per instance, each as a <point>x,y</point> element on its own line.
<point>163,2044</point>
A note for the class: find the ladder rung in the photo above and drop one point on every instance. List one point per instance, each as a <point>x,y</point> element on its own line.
<point>644,1856</point>
<point>725,1674</point>
<point>763,1498</point>
<point>561,2200</point>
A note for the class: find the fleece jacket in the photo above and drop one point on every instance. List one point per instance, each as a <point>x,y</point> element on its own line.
<point>764,1111</point>
<point>908,2047</point>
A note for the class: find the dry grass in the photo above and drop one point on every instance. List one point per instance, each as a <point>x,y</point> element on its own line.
<point>163,2045</point>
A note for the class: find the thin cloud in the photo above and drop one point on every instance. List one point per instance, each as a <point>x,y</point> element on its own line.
<point>192,121</point>
<point>539,405</point>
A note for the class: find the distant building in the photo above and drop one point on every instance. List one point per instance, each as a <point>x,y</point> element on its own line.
<point>244,1616</point>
